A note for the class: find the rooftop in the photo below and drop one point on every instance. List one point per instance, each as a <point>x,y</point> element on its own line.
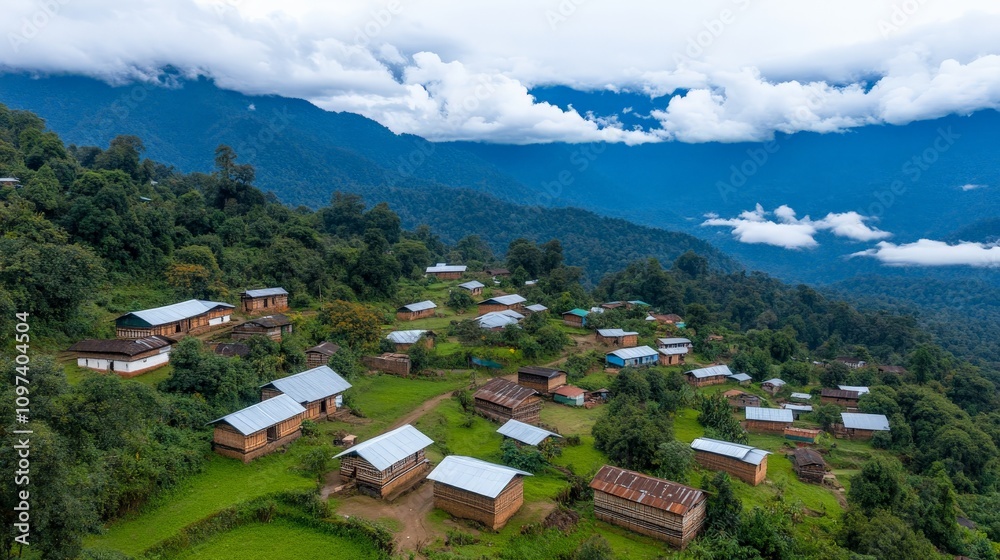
<point>473,475</point>
<point>475,284</point>
<point>419,306</point>
<point>675,340</point>
<point>442,267</point>
<point>262,415</point>
<point>504,393</point>
<point>859,421</point>
<point>406,337</point>
<point>384,450</point>
<point>512,299</point>
<point>744,453</point>
<point>119,346</point>
<point>311,385</point>
<point>176,312</point>
<point>525,433</point>
<point>541,371</point>
<point>654,492</point>
<point>769,414</point>
<point>270,321</point>
<point>636,352</point>
<point>265,292</point>
<point>711,371</point>
<point>615,332</point>
<point>569,391</point>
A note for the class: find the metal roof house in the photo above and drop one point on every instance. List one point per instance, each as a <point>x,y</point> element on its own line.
<point>267,299</point>
<point>638,356</point>
<point>541,379</point>
<point>501,400</point>
<point>318,389</point>
<point>797,409</point>
<point>855,425</point>
<point>712,375</point>
<point>272,326</point>
<point>403,340</point>
<point>536,308</point>
<point>655,507</point>
<point>193,315</point>
<point>741,378</point>
<point>320,354</point>
<point>772,385</point>
<point>674,342</point>
<point>569,395</point>
<point>386,464</point>
<point>744,462</point>
<point>511,302</point>
<point>444,271</point>
<point>127,358</point>
<point>496,320</point>
<point>414,311</point>
<point>617,337</point>
<point>860,390</point>
<point>808,465</point>
<point>575,317</point>
<point>839,397</point>
<point>800,396</point>
<point>472,489</point>
<point>768,419</point>
<point>525,433</point>
<point>258,429</point>
<point>474,287</point>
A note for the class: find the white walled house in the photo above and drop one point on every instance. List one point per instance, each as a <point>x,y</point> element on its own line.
<point>126,358</point>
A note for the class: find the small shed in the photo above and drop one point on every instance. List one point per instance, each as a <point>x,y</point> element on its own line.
<point>659,508</point>
<point>712,375</point>
<point>738,399</point>
<point>403,340</point>
<point>632,357</point>
<point>498,320</point>
<point>525,433</point>
<point>569,395</point>
<point>808,465</point>
<point>389,362</point>
<point>387,464</point>
<point>797,409</point>
<point>856,425</point>
<point>575,317</point>
<point>272,326</point>
<point>266,299</point>
<point>501,400</point>
<point>318,389</point>
<point>475,287</point>
<point>127,358</point>
<point>768,420</point>
<point>258,429</point>
<point>320,354</point>
<point>541,379</point>
<point>443,271</point>
<point>512,302</point>
<point>802,435</point>
<point>414,311</point>
<point>617,337</point>
<point>839,397</point>
<point>535,308</point>
<point>772,385</point>
<point>744,462</point>
<point>800,397</point>
<point>231,349</point>
<point>743,379</point>
<point>472,489</point>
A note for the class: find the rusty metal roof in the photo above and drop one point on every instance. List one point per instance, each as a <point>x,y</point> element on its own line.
<point>839,394</point>
<point>646,490</point>
<point>569,391</point>
<point>504,393</point>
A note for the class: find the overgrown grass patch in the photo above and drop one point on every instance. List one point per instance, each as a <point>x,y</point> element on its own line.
<point>279,539</point>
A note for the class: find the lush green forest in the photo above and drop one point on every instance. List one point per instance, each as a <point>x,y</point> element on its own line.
<point>93,232</point>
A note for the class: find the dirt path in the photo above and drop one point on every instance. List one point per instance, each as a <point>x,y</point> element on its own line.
<point>418,412</point>
<point>410,512</point>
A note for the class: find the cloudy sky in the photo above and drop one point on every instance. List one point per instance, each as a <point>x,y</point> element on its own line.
<point>727,70</point>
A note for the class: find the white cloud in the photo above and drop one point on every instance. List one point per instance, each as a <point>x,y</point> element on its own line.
<point>926,252</point>
<point>971,187</point>
<point>791,232</point>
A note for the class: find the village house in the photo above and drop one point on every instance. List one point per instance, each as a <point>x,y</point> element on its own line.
<point>258,429</point>
<point>613,305</point>
<point>415,311</point>
<point>672,356</point>
<point>443,271</point>
<point>10,182</point>
<point>859,389</point>
<point>501,400</point>
<point>617,337</point>
<point>738,399</point>
<point>767,420</point>
<point>569,395</point>
<point>659,508</point>
<point>525,433</point>
<point>712,375</point>
<point>839,397</point>
<point>632,357</point>
<point>320,354</point>
<point>772,386</point>
<point>319,390</point>
<point>856,425</point>
<point>388,464</point>
<point>497,272</point>
<point>498,320</point>
<point>675,342</point>
<point>808,465</point>
<point>797,409</point>
<point>667,319</point>
<point>895,370</point>
<point>475,287</point>
<point>231,349</point>
<point>127,358</point>
<point>389,362</point>
<point>267,299</point>
<point>802,435</point>
<point>744,462</point>
<point>742,379</point>
<point>468,488</point>
<point>272,326</point>
<point>800,397</point>
<point>404,340</point>
<point>186,317</point>
<point>512,302</point>
<point>541,379</point>
<point>536,308</point>
<point>575,317</point>
<point>852,363</point>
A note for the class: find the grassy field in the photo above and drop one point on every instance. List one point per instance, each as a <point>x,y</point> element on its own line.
<point>278,539</point>
<point>76,374</point>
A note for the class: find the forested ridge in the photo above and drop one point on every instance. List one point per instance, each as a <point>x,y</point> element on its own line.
<point>94,232</point>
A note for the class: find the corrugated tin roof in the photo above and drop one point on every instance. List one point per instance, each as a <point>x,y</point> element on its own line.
<point>798,407</point>
<point>615,332</point>
<point>774,381</point>
<point>636,352</point>
<point>496,320</point>
<point>569,391</point>
<point>441,267</point>
<point>511,299</point>
<point>804,456</point>
<point>646,490</point>
<point>473,475</point>
<point>741,377</point>
<point>270,321</point>
<point>119,346</point>
<point>384,450</point>
<point>311,385</point>
<point>176,312</point>
<point>801,396</point>
<point>504,393</point>
<point>540,371</point>
<point>405,337</point>
<point>769,414</point>
<point>712,371</point>
<point>745,453</point>
<point>578,312</point>
<point>638,302</point>
<point>666,341</point>
<point>419,306</point>
<point>537,308</point>
<point>525,433</point>
<point>472,285</point>
<point>674,351</point>
<point>859,421</point>
<point>327,348</point>
<point>262,415</point>
<point>856,388</point>
<point>839,394</point>
<point>265,292</point>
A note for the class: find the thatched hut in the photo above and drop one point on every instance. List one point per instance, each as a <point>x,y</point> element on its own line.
<point>502,400</point>
<point>388,464</point>
<point>318,389</point>
<point>808,465</point>
<point>472,489</point>
<point>258,429</point>
<point>744,462</point>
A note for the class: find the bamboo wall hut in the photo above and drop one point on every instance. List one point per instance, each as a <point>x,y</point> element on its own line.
<point>388,464</point>
<point>414,311</point>
<point>500,400</point>
<point>320,354</point>
<point>744,462</point>
<point>512,302</point>
<point>389,362</point>
<point>617,337</point>
<point>768,420</point>
<point>318,389</point>
<point>258,429</point>
<point>267,299</point>
<point>839,397</point>
<point>272,326</point>
<point>189,316</point>
<point>651,506</point>
<point>808,465</point>
<point>712,375</point>
<point>403,340</point>
<point>127,358</point>
<point>541,379</point>
<point>472,489</point>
